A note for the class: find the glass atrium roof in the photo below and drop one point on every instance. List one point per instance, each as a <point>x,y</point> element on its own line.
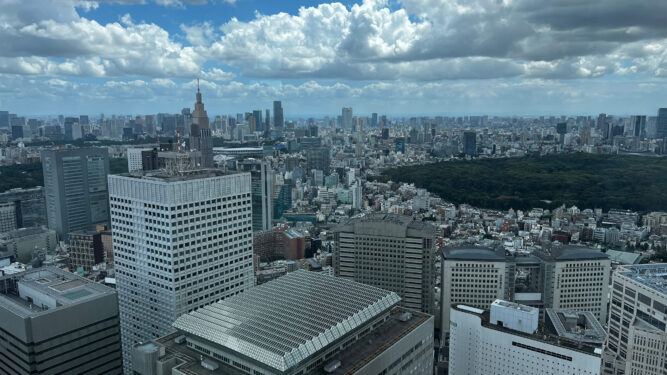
<point>285,321</point>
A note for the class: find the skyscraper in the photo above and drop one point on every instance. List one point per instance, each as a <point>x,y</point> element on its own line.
<point>54,322</point>
<point>4,119</point>
<point>470,143</point>
<point>261,177</point>
<point>638,126</point>
<point>259,124</point>
<point>278,119</point>
<point>30,206</point>
<point>75,188</point>
<point>267,121</point>
<point>661,124</point>
<point>181,241</point>
<point>347,118</point>
<point>389,251</point>
<point>636,327</point>
<point>200,132</point>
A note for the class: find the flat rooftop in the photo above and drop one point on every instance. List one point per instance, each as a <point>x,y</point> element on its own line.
<point>577,325</point>
<point>185,175</point>
<point>286,320</point>
<point>473,253</point>
<point>50,288</point>
<point>542,334</point>
<point>361,352</point>
<point>653,276</point>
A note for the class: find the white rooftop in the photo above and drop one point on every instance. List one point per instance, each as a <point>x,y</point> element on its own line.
<point>285,321</point>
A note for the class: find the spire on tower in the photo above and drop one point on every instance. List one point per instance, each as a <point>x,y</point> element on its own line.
<point>197,84</point>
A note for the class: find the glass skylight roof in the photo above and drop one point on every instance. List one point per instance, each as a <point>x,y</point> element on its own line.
<point>289,319</point>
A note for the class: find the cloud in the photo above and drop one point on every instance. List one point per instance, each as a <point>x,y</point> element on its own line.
<point>200,34</point>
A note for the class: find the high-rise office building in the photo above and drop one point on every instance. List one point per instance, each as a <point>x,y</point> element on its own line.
<point>69,124</point>
<point>318,158</point>
<point>278,116</point>
<point>54,322</point>
<point>200,133</point>
<point>473,277</point>
<point>638,126</point>
<point>392,252</point>
<point>259,123</point>
<point>374,120</point>
<point>564,277</point>
<point>181,241</point>
<point>17,131</point>
<point>301,323</point>
<point>4,119</point>
<point>85,250</point>
<point>575,278</point>
<point>75,188</point>
<point>347,119</point>
<point>267,121</point>
<point>506,340</point>
<point>135,159</point>
<point>470,143</point>
<point>637,325</point>
<point>661,124</point>
<point>261,177</point>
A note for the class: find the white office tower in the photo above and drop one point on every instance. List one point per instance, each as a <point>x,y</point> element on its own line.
<point>636,329</point>
<point>480,345</point>
<point>134,160</point>
<point>181,241</point>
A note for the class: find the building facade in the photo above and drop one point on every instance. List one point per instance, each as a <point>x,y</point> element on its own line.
<point>392,252</point>
<point>75,188</point>
<point>637,325</point>
<point>85,250</point>
<point>482,344</point>
<point>181,241</point>
<point>30,206</point>
<point>54,322</point>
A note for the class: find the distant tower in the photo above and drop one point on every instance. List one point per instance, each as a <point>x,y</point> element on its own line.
<point>347,118</point>
<point>200,132</point>
<point>470,143</point>
<point>661,124</point>
<point>278,118</point>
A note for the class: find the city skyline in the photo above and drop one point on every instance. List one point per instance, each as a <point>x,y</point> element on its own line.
<point>408,57</point>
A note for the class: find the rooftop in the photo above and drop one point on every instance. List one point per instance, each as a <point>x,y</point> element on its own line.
<point>381,223</point>
<point>186,175</point>
<point>351,358</point>
<point>653,276</point>
<point>541,334</point>
<point>576,326</point>
<point>474,253</point>
<point>48,289</point>
<point>261,324</point>
<point>564,253</point>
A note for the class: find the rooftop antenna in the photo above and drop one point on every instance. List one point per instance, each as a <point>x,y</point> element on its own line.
<point>197,84</point>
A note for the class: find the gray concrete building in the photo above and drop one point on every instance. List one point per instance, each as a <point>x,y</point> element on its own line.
<point>75,186</point>
<point>318,158</point>
<point>637,325</point>
<point>392,252</point>
<point>54,322</point>
<point>30,206</point>
<point>301,323</point>
<point>181,241</point>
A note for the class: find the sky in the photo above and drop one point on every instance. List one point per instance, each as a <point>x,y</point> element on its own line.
<point>394,57</point>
